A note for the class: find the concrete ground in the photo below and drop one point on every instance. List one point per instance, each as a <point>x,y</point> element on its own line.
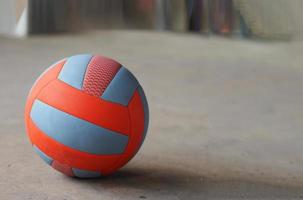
<point>226,118</point>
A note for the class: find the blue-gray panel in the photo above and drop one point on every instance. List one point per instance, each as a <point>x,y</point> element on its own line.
<point>42,155</point>
<point>76,133</point>
<point>121,88</point>
<point>85,173</point>
<point>74,70</point>
<point>146,110</point>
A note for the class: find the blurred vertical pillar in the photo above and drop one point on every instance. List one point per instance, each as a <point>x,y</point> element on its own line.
<point>140,14</point>
<point>175,15</point>
<point>221,16</point>
<point>159,15</point>
<point>195,9</point>
<point>100,14</point>
<point>13,17</point>
<point>198,15</point>
<point>205,28</point>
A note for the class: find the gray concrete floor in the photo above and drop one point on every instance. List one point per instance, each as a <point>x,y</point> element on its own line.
<point>226,118</point>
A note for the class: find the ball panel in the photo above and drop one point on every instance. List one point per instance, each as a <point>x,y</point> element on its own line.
<point>74,69</point>
<point>121,88</point>
<point>42,155</point>
<point>69,156</point>
<point>50,74</point>
<point>136,113</point>
<point>76,133</point>
<point>99,73</point>
<point>146,110</point>
<point>63,168</point>
<point>109,115</point>
<point>80,173</point>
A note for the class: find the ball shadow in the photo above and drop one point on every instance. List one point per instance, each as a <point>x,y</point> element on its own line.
<point>186,185</point>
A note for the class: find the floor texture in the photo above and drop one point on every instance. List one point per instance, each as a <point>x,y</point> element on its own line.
<point>226,117</point>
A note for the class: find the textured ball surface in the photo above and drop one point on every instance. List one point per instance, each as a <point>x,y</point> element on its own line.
<point>86,116</point>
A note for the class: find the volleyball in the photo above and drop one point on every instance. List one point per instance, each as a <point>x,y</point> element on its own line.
<point>86,116</point>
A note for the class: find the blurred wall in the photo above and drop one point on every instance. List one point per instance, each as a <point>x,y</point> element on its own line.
<point>7,18</point>
<point>271,19</point>
<point>13,17</point>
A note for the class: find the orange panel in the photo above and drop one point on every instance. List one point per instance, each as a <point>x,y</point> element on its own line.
<point>69,156</point>
<point>65,169</point>
<point>136,112</point>
<point>87,107</point>
<point>42,81</point>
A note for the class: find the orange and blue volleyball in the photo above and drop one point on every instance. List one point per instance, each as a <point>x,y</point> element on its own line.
<point>86,116</point>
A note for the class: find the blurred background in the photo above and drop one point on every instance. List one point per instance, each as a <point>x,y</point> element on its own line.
<point>270,19</point>
<point>223,79</point>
